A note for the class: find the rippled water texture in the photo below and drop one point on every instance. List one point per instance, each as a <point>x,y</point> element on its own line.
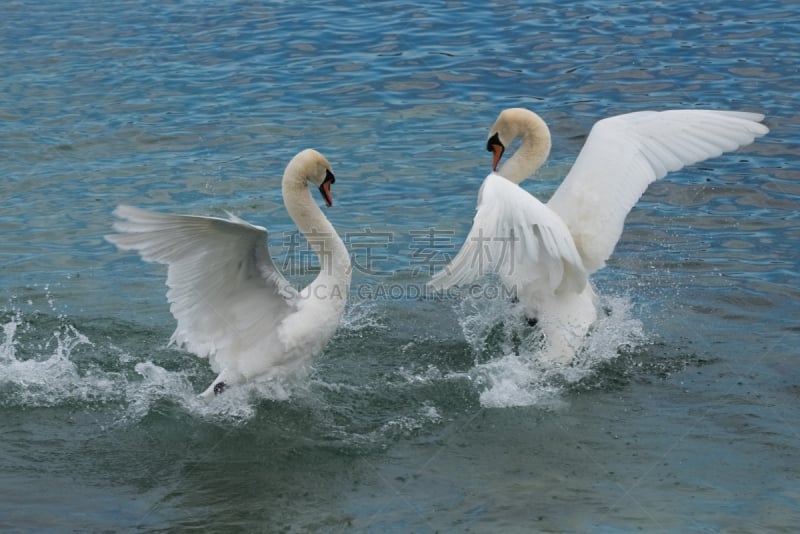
<point>422,415</point>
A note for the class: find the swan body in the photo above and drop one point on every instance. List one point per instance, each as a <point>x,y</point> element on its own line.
<point>231,303</point>
<point>544,253</point>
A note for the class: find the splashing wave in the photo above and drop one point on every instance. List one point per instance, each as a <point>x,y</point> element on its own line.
<point>509,367</point>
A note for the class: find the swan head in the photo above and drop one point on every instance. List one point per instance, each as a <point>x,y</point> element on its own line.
<point>511,124</point>
<point>311,166</point>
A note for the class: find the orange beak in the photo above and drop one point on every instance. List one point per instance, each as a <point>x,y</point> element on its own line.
<point>325,188</point>
<point>497,153</point>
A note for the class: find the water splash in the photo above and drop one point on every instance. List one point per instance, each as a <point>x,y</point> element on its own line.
<point>239,404</point>
<point>43,373</point>
<point>361,315</point>
<point>46,361</point>
<point>42,365</point>
<point>509,368</point>
<point>405,426</point>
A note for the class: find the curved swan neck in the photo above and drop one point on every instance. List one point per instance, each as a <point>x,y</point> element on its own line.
<point>534,147</point>
<point>316,228</point>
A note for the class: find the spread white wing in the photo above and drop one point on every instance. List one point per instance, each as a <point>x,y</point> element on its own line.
<point>519,239</point>
<point>224,289</point>
<point>624,154</point>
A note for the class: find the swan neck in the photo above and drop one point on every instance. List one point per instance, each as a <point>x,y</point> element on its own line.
<point>532,152</point>
<point>320,234</point>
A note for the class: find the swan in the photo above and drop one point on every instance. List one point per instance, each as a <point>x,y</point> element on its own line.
<point>231,303</point>
<point>544,253</point>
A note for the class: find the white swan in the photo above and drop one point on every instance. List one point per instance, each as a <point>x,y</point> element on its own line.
<point>544,253</point>
<point>231,303</point>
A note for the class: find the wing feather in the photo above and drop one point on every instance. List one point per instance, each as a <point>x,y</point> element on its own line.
<point>224,289</point>
<point>624,154</point>
<point>519,239</point>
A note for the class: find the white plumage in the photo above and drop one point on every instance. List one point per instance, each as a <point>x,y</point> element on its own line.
<point>231,303</point>
<point>544,253</point>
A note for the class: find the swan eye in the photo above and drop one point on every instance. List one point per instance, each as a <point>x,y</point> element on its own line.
<point>495,146</point>
<point>494,141</point>
<point>325,187</point>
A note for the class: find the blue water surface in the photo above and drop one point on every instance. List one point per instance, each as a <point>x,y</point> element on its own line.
<point>422,415</point>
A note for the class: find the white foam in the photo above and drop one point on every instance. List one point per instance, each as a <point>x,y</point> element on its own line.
<point>49,377</point>
<point>515,373</point>
<point>50,369</point>
<point>360,315</point>
<point>43,372</point>
<point>238,404</point>
<point>516,380</point>
<point>408,425</point>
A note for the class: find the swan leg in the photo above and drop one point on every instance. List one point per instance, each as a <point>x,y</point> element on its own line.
<point>530,316</point>
<point>216,388</point>
<point>219,385</point>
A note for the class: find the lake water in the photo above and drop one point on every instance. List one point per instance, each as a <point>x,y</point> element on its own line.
<point>422,415</point>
